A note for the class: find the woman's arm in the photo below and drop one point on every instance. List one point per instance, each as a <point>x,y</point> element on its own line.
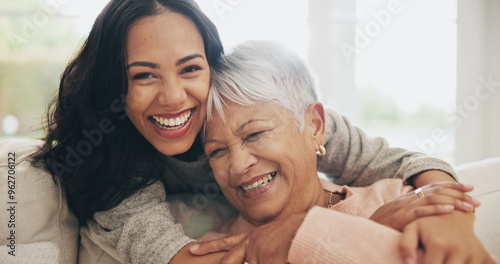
<point>444,238</point>
<point>431,176</point>
<point>355,159</point>
<point>262,243</point>
<point>319,236</point>
<point>142,229</point>
<point>350,239</point>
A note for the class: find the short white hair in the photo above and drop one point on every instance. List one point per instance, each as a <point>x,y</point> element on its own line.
<point>262,71</point>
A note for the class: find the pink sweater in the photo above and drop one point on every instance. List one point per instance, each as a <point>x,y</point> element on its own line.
<point>342,233</point>
<point>351,238</point>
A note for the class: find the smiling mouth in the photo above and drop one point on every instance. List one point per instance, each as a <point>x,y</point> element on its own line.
<point>173,122</point>
<point>259,183</point>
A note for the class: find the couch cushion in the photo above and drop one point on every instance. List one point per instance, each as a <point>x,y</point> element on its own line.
<point>485,176</point>
<point>39,217</point>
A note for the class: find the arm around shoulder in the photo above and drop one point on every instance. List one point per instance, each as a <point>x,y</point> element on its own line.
<point>142,227</point>
<point>355,159</point>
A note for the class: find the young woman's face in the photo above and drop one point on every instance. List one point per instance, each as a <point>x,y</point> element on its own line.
<point>168,81</point>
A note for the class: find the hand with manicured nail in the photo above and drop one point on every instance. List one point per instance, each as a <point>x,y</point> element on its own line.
<point>433,199</point>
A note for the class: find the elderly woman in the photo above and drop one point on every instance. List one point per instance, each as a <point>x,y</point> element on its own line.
<point>264,131</point>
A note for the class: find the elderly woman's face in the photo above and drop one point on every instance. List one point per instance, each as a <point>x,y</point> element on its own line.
<point>261,161</point>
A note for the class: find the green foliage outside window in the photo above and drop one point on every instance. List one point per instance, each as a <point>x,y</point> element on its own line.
<point>35,45</point>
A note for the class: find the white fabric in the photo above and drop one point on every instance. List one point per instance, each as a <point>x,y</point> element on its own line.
<point>33,253</point>
<point>485,176</point>
<point>41,213</point>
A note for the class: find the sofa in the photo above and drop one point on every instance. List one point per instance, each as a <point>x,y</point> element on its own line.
<point>39,228</point>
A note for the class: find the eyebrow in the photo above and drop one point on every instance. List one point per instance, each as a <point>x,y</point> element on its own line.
<point>144,64</point>
<point>212,141</point>
<point>247,123</point>
<point>157,66</point>
<point>188,58</point>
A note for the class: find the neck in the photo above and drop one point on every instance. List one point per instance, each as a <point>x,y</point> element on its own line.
<point>324,198</point>
<point>193,153</point>
<point>321,197</point>
<point>328,199</point>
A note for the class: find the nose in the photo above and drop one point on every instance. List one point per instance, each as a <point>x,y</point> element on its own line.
<point>172,93</point>
<point>241,160</point>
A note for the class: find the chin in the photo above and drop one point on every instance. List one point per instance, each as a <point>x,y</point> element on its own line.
<point>170,149</point>
<point>263,216</point>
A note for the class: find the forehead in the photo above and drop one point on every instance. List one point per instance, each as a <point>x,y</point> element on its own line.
<point>163,32</point>
<point>237,116</point>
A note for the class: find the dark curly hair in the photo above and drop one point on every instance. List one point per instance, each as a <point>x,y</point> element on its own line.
<point>91,147</point>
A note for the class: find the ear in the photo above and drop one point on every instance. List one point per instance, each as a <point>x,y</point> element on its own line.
<point>316,119</point>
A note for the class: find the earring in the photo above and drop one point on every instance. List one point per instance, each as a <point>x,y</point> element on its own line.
<point>321,152</point>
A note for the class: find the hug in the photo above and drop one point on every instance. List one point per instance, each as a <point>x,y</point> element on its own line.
<point>178,116</point>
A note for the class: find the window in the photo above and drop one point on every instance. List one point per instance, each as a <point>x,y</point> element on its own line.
<point>388,65</point>
<point>406,72</point>
<point>38,39</point>
<point>280,20</point>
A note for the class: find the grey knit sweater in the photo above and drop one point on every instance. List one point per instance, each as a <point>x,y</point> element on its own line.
<point>145,227</point>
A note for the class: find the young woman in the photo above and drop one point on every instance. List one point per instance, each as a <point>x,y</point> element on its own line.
<point>123,130</point>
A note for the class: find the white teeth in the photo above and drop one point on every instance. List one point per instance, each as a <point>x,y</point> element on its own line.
<point>260,183</point>
<point>172,122</point>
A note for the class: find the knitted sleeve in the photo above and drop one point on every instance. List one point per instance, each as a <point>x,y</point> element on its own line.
<point>354,159</point>
<point>142,227</point>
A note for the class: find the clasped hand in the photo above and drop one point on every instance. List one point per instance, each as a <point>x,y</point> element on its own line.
<point>435,199</point>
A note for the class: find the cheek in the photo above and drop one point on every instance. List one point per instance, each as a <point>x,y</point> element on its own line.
<point>138,100</point>
<point>228,191</point>
<point>293,158</point>
<point>220,176</point>
<point>200,90</point>
<point>281,148</point>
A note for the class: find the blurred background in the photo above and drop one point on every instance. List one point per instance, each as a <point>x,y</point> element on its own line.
<point>423,74</point>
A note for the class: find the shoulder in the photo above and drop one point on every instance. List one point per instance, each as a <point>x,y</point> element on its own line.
<point>363,201</point>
